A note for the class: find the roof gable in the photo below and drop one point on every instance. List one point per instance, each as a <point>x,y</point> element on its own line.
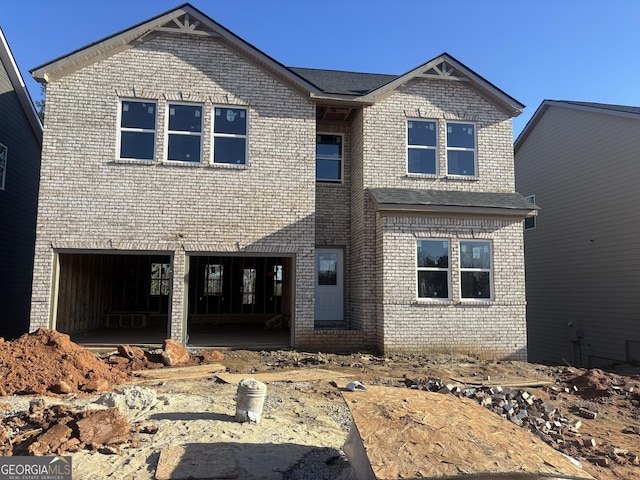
<point>186,20</point>
<point>319,85</point>
<point>592,107</point>
<point>10,66</point>
<point>445,67</point>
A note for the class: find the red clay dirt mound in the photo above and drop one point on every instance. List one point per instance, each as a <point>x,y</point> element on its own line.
<point>47,361</point>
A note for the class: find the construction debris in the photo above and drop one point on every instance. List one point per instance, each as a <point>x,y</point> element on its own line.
<point>58,430</point>
<point>545,421</point>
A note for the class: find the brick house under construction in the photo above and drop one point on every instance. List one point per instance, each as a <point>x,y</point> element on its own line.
<point>195,188</point>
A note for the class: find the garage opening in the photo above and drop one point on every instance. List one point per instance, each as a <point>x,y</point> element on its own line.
<point>239,301</point>
<point>109,299</point>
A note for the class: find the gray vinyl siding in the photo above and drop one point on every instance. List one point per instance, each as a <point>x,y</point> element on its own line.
<point>582,259</point>
<point>18,203</point>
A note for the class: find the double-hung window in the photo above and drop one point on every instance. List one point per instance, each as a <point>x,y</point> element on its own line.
<point>329,158</point>
<point>433,269</point>
<point>422,147</point>
<point>137,129</point>
<point>4,153</point>
<point>230,135</point>
<point>184,133</point>
<point>461,149</point>
<point>475,269</point>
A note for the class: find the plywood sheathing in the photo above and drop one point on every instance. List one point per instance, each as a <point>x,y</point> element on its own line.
<point>415,434</point>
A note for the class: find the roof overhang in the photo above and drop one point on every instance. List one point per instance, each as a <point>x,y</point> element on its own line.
<point>186,20</point>
<point>445,67</point>
<point>414,201</point>
<point>546,104</point>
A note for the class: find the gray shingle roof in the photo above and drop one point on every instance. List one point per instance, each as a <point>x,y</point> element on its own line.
<point>389,197</point>
<point>345,83</point>
<point>604,106</point>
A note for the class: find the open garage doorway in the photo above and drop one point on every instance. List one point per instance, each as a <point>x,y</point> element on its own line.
<point>113,299</point>
<point>238,301</point>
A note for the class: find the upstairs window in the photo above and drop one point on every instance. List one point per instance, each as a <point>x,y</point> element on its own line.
<point>461,149</point>
<point>433,269</point>
<point>329,158</point>
<point>530,222</point>
<point>230,135</point>
<point>422,147</point>
<point>475,269</point>
<point>4,152</point>
<point>185,133</point>
<point>138,130</point>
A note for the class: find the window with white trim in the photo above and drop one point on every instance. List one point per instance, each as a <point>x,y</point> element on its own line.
<point>475,269</point>
<point>137,129</point>
<point>422,142</point>
<point>329,158</point>
<point>184,132</point>
<point>461,149</point>
<point>530,222</point>
<point>230,135</point>
<point>433,269</point>
<point>4,154</point>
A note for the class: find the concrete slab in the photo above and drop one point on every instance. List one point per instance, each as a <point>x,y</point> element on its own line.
<point>197,461</point>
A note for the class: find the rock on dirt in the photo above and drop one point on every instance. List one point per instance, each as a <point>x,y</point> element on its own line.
<point>174,354</point>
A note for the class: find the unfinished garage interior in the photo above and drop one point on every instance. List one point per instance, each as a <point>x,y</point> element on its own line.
<point>105,299</point>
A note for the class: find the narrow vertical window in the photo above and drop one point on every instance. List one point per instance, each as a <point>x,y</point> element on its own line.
<point>230,135</point>
<point>329,158</point>
<point>422,147</point>
<point>4,153</point>
<point>137,130</point>
<point>249,286</point>
<point>461,149</point>
<point>277,280</point>
<point>160,279</point>
<point>213,279</point>
<point>530,222</point>
<point>433,269</point>
<point>475,269</point>
<point>185,133</point>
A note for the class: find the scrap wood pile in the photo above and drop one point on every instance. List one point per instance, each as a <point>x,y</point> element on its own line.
<point>551,425</point>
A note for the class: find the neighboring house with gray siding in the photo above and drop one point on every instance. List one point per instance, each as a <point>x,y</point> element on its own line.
<point>20,142</point>
<point>581,161</point>
<point>208,189</point>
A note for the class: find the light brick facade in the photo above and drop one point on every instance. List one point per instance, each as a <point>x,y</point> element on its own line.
<point>91,202</point>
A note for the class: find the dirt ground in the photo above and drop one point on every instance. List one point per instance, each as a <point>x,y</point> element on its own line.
<point>60,399</point>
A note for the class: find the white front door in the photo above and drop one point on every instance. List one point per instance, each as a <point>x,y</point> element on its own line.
<point>329,290</point>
